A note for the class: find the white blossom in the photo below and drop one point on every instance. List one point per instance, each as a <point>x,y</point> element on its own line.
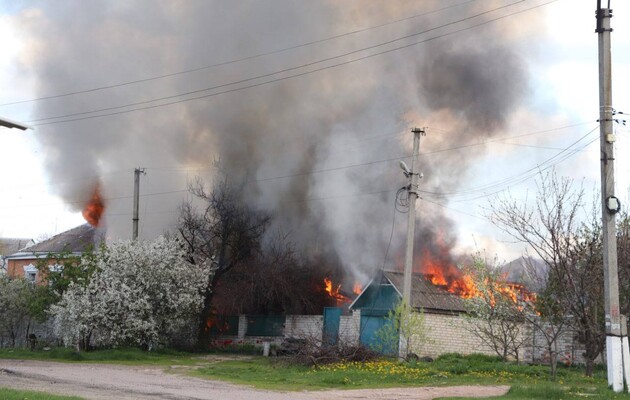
<point>142,293</point>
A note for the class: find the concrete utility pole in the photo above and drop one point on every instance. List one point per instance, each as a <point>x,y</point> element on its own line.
<point>136,200</point>
<point>610,206</point>
<point>412,191</point>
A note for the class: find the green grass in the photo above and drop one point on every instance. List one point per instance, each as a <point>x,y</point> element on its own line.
<point>112,356</point>
<point>526,381</point>
<point>553,391</point>
<point>10,394</point>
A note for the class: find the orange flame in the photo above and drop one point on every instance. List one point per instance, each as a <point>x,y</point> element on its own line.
<point>94,209</point>
<point>330,289</point>
<point>357,288</point>
<point>333,291</point>
<point>446,275</point>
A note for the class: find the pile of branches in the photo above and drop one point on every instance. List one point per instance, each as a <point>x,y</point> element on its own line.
<point>312,352</point>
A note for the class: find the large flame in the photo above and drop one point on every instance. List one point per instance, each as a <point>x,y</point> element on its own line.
<point>94,209</point>
<point>440,271</point>
<point>334,290</point>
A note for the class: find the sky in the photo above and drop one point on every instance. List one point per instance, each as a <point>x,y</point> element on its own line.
<point>503,88</point>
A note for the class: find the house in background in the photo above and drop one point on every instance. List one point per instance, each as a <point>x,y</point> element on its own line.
<point>9,246</point>
<point>23,264</point>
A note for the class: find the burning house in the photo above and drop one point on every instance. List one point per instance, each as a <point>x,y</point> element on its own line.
<point>442,309</point>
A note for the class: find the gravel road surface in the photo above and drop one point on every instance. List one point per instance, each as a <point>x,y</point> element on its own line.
<point>100,382</point>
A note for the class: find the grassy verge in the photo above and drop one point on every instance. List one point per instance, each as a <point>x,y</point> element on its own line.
<point>113,356</point>
<point>10,394</point>
<point>527,381</point>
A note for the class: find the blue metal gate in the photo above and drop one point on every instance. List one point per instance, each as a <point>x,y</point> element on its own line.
<point>370,324</point>
<point>332,316</point>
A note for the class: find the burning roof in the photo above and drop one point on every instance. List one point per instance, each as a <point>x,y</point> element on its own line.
<point>424,294</point>
<point>93,210</point>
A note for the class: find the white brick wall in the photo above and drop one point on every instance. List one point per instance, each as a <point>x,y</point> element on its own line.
<point>349,326</point>
<point>448,334</point>
<point>304,326</point>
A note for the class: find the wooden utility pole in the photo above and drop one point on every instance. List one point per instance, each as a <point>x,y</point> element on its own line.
<point>610,206</point>
<point>136,200</point>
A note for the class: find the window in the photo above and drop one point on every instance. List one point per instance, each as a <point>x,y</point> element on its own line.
<point>30,273</point>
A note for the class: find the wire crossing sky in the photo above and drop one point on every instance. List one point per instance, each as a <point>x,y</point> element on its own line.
<point>309,105</point>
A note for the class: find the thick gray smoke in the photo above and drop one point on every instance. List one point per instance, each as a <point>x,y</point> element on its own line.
<point>320,151</point>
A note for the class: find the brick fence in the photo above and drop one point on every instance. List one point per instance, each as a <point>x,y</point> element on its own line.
<point>447,333</point>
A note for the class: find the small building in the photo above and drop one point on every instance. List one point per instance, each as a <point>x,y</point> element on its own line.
<point>443,313</point>
<point>74,242</point>
<point>9,246</point>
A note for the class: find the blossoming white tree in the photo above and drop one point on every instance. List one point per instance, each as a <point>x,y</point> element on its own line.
<point>141,294</point>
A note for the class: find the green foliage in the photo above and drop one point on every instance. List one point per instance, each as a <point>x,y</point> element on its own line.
<point>41,298</point>
<point>68,268</point>
<point>15,298</point>
<point>10,394</point>
<point>405,323</point>
<point>123,356</point>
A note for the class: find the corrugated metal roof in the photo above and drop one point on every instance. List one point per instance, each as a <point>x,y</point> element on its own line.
<point>75,240</point>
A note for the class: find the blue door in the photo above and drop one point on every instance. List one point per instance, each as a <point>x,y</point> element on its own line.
<point>332,316</point>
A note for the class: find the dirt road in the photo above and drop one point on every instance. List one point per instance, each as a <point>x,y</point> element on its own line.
<point>99,381</point>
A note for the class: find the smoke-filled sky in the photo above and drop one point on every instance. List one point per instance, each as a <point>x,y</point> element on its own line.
<point>310,104</point>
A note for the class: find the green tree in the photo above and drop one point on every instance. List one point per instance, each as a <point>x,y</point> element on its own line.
<point>402,324</point>
<point>15,294</point>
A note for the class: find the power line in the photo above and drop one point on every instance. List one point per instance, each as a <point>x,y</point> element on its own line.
<point>79,118</point>
<point>223,63</point>
<point>520,177</point>
<point>510,181</point>
<point>266,179</point>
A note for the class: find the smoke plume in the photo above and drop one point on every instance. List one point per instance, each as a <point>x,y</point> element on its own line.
<point>320,151</point>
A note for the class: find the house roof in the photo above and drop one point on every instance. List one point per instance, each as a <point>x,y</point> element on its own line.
<point>12,245</point>
<point>75,240</point>
<point>424,295</point>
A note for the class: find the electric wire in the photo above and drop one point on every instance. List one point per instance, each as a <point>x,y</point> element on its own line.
<point>271,73</point>
<point>247,58</point>
<point>104,111</point>
<point>387,136</point>
<point>562,155</point>
<point>382,271</point>
<point>509,181</point>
